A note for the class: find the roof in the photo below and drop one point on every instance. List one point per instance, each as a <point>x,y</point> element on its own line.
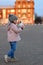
<point>1,7</point>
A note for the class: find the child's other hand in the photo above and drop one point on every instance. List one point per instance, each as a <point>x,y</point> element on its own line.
<point>21,25</point>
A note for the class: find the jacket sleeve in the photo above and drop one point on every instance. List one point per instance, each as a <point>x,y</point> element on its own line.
<point>15,28</point>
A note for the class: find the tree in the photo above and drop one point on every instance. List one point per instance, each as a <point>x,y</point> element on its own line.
<point>38,20</point>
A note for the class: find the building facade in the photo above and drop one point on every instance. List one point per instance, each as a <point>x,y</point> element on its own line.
<point>24,9</point>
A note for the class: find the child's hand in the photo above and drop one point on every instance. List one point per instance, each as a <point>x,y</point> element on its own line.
<point>22,28</point>
<point>21,25</point>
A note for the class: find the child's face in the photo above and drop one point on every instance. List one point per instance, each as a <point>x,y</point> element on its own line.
<point>18,21</point>
<point>15,21</point>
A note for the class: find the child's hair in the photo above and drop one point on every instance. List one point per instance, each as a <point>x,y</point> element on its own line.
<point>12,21</point>
<point>12,18</point>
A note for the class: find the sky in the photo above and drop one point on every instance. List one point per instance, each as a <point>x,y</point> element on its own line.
<point>38,5</point>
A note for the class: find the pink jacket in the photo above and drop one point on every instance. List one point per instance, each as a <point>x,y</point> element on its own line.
<point>13,33</point>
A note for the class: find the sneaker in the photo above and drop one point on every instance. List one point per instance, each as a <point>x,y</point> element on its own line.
<point>6,58</point>
<point>13,59</point>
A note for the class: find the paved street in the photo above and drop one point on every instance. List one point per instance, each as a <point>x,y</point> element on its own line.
<point>29,49</point>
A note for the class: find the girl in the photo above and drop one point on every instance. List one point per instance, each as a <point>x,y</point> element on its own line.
<point>13,37</point>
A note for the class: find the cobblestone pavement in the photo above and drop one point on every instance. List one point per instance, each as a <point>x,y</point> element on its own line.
<point>29,49</point>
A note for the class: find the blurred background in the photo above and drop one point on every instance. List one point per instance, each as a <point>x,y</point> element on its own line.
<point>29,11</point>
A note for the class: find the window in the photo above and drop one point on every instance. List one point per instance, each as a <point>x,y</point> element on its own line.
<point>12,10</point>
<point>24,16</point>
<point>28,5</point>
<point>19,15</point>
<point>24,10</point>
<point>18,6</point>
<point>28,10</point>
<point>18,10</point>
<point>24,6</point>
<point>29,15</point>
<point>8,11</point>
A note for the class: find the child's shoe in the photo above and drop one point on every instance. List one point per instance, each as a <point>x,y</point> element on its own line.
<point>6,58</point>
<point>13,59</point>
